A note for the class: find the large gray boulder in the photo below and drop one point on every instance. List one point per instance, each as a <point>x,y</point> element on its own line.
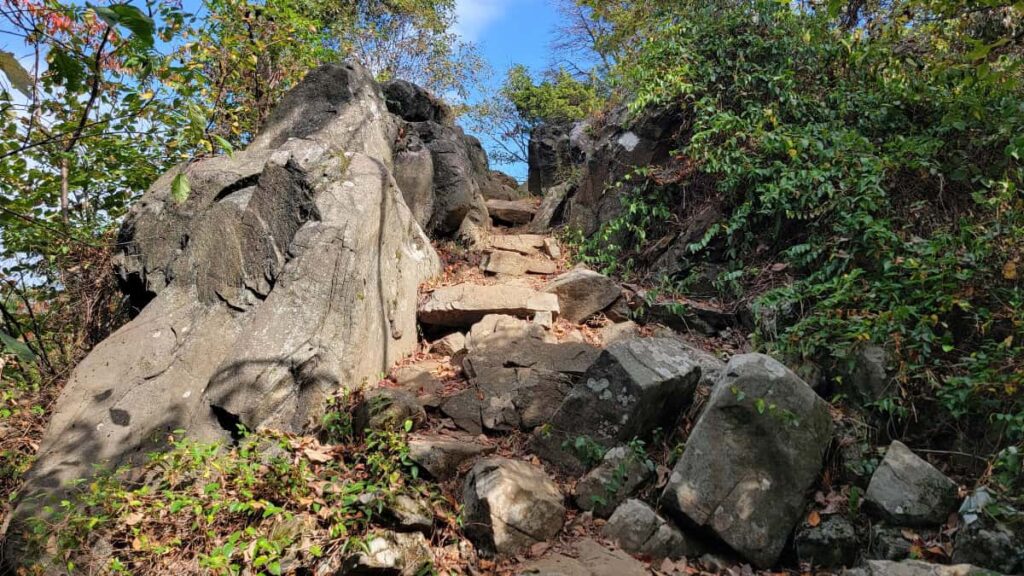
<point>509,505</point>
<point>634,387</point>
<point>290,271</point>
<point>751,457</point>
<point>582,292</point>
<point>908,491</point>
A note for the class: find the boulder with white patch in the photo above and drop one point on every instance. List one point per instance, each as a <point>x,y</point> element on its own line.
<point>634,387</point>
<point>751,457</point>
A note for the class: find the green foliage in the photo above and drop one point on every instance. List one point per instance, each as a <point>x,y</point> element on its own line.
<point>877,158</point>
<point>586,449</point>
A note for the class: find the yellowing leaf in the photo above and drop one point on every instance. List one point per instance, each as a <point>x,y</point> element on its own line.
<point>147,95</point>
<point>1010,270</point>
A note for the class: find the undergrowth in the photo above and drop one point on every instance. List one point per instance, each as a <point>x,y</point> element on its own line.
<point>273,503</point>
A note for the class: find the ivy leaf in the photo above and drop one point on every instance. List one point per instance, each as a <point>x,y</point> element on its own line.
<point>759,404</point>
<point>69,70</point>
<point>140,25</point>
<point>17,347</point>
<point>20,79</point>
<point>180,188</point>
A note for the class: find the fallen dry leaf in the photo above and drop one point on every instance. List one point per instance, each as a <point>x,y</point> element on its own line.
<point>813,519</point>
<point>317,455</point>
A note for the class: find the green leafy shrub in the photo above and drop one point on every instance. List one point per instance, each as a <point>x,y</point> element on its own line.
<point>878,164</point>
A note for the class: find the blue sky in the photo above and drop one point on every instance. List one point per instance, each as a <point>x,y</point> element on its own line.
<point>508,32</point>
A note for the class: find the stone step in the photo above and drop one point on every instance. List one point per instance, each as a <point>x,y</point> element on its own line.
<point>466,304</point>
<point>514,212</point>
<point>515,264</point>
<point>527,244</point>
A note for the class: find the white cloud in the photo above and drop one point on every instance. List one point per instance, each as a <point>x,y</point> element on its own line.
<point>473,17</point>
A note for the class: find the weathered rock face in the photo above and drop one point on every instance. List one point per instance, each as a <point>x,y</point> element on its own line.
<point>751,457</point>
<point>550,156</point>
<point>453,203</point>
<point>617,148</point>
<point>831,544</point>
<point>290,271</point>
<point>990,544</point>
<point>415,104</point>
<point>908,491</point>
<point>634,387</point>
<point>509,505</point>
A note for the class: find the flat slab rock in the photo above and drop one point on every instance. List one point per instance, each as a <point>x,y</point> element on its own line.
<point>592,559</point>
<point>527,244</point>
<point>515,264</point>
<point>509,505</point>
<point>908,491</point>
<point>512,211</point>
<point>467,304</point>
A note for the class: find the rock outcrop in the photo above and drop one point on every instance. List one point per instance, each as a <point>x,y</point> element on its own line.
<point>453,203</point>
<point>290,271</point>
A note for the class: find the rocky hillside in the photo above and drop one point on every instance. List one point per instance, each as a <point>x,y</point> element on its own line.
<point>360,351</point>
